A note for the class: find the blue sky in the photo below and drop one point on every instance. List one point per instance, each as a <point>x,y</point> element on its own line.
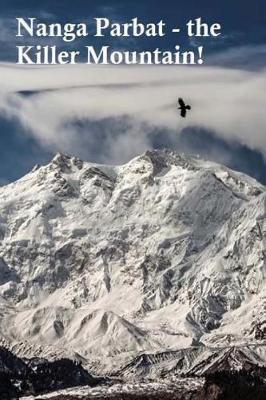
<point>243,22</point>
<point>241,47</point>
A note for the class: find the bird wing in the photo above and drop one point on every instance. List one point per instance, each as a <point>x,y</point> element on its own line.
<point>183,113</point>
<point>181,102</point>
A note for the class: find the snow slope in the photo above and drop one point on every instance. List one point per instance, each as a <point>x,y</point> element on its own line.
<point>106,263</point>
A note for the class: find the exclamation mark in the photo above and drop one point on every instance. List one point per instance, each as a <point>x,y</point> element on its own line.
<point>200,50</point>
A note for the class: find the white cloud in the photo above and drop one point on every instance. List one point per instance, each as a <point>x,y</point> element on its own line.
<point>230,102</point>
<point>243,57</point>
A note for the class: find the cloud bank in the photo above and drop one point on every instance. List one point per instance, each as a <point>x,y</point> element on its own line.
<point>116,110</point>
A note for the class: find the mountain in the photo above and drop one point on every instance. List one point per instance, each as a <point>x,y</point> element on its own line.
<point>164,255</point>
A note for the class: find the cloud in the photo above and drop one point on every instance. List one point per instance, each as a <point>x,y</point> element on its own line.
<point>115,111</point>
<point>248,57</point>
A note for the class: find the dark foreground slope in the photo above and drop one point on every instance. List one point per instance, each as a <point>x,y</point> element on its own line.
<point>31,377</point>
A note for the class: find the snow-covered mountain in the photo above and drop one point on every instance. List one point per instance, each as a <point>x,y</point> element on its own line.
<point>111,263</point>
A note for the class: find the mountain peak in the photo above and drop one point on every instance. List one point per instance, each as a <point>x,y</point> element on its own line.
<point>64,162</point>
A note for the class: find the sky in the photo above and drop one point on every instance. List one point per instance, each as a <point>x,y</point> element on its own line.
<point>111,114</point>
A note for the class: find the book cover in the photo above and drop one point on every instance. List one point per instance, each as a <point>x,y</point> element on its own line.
<point>132,199</point>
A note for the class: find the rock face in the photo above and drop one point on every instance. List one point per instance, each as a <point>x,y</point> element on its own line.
<point>105,263</point>
<point>19,377</point>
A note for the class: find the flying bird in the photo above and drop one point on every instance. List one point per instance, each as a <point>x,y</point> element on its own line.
<point>183,107</point>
